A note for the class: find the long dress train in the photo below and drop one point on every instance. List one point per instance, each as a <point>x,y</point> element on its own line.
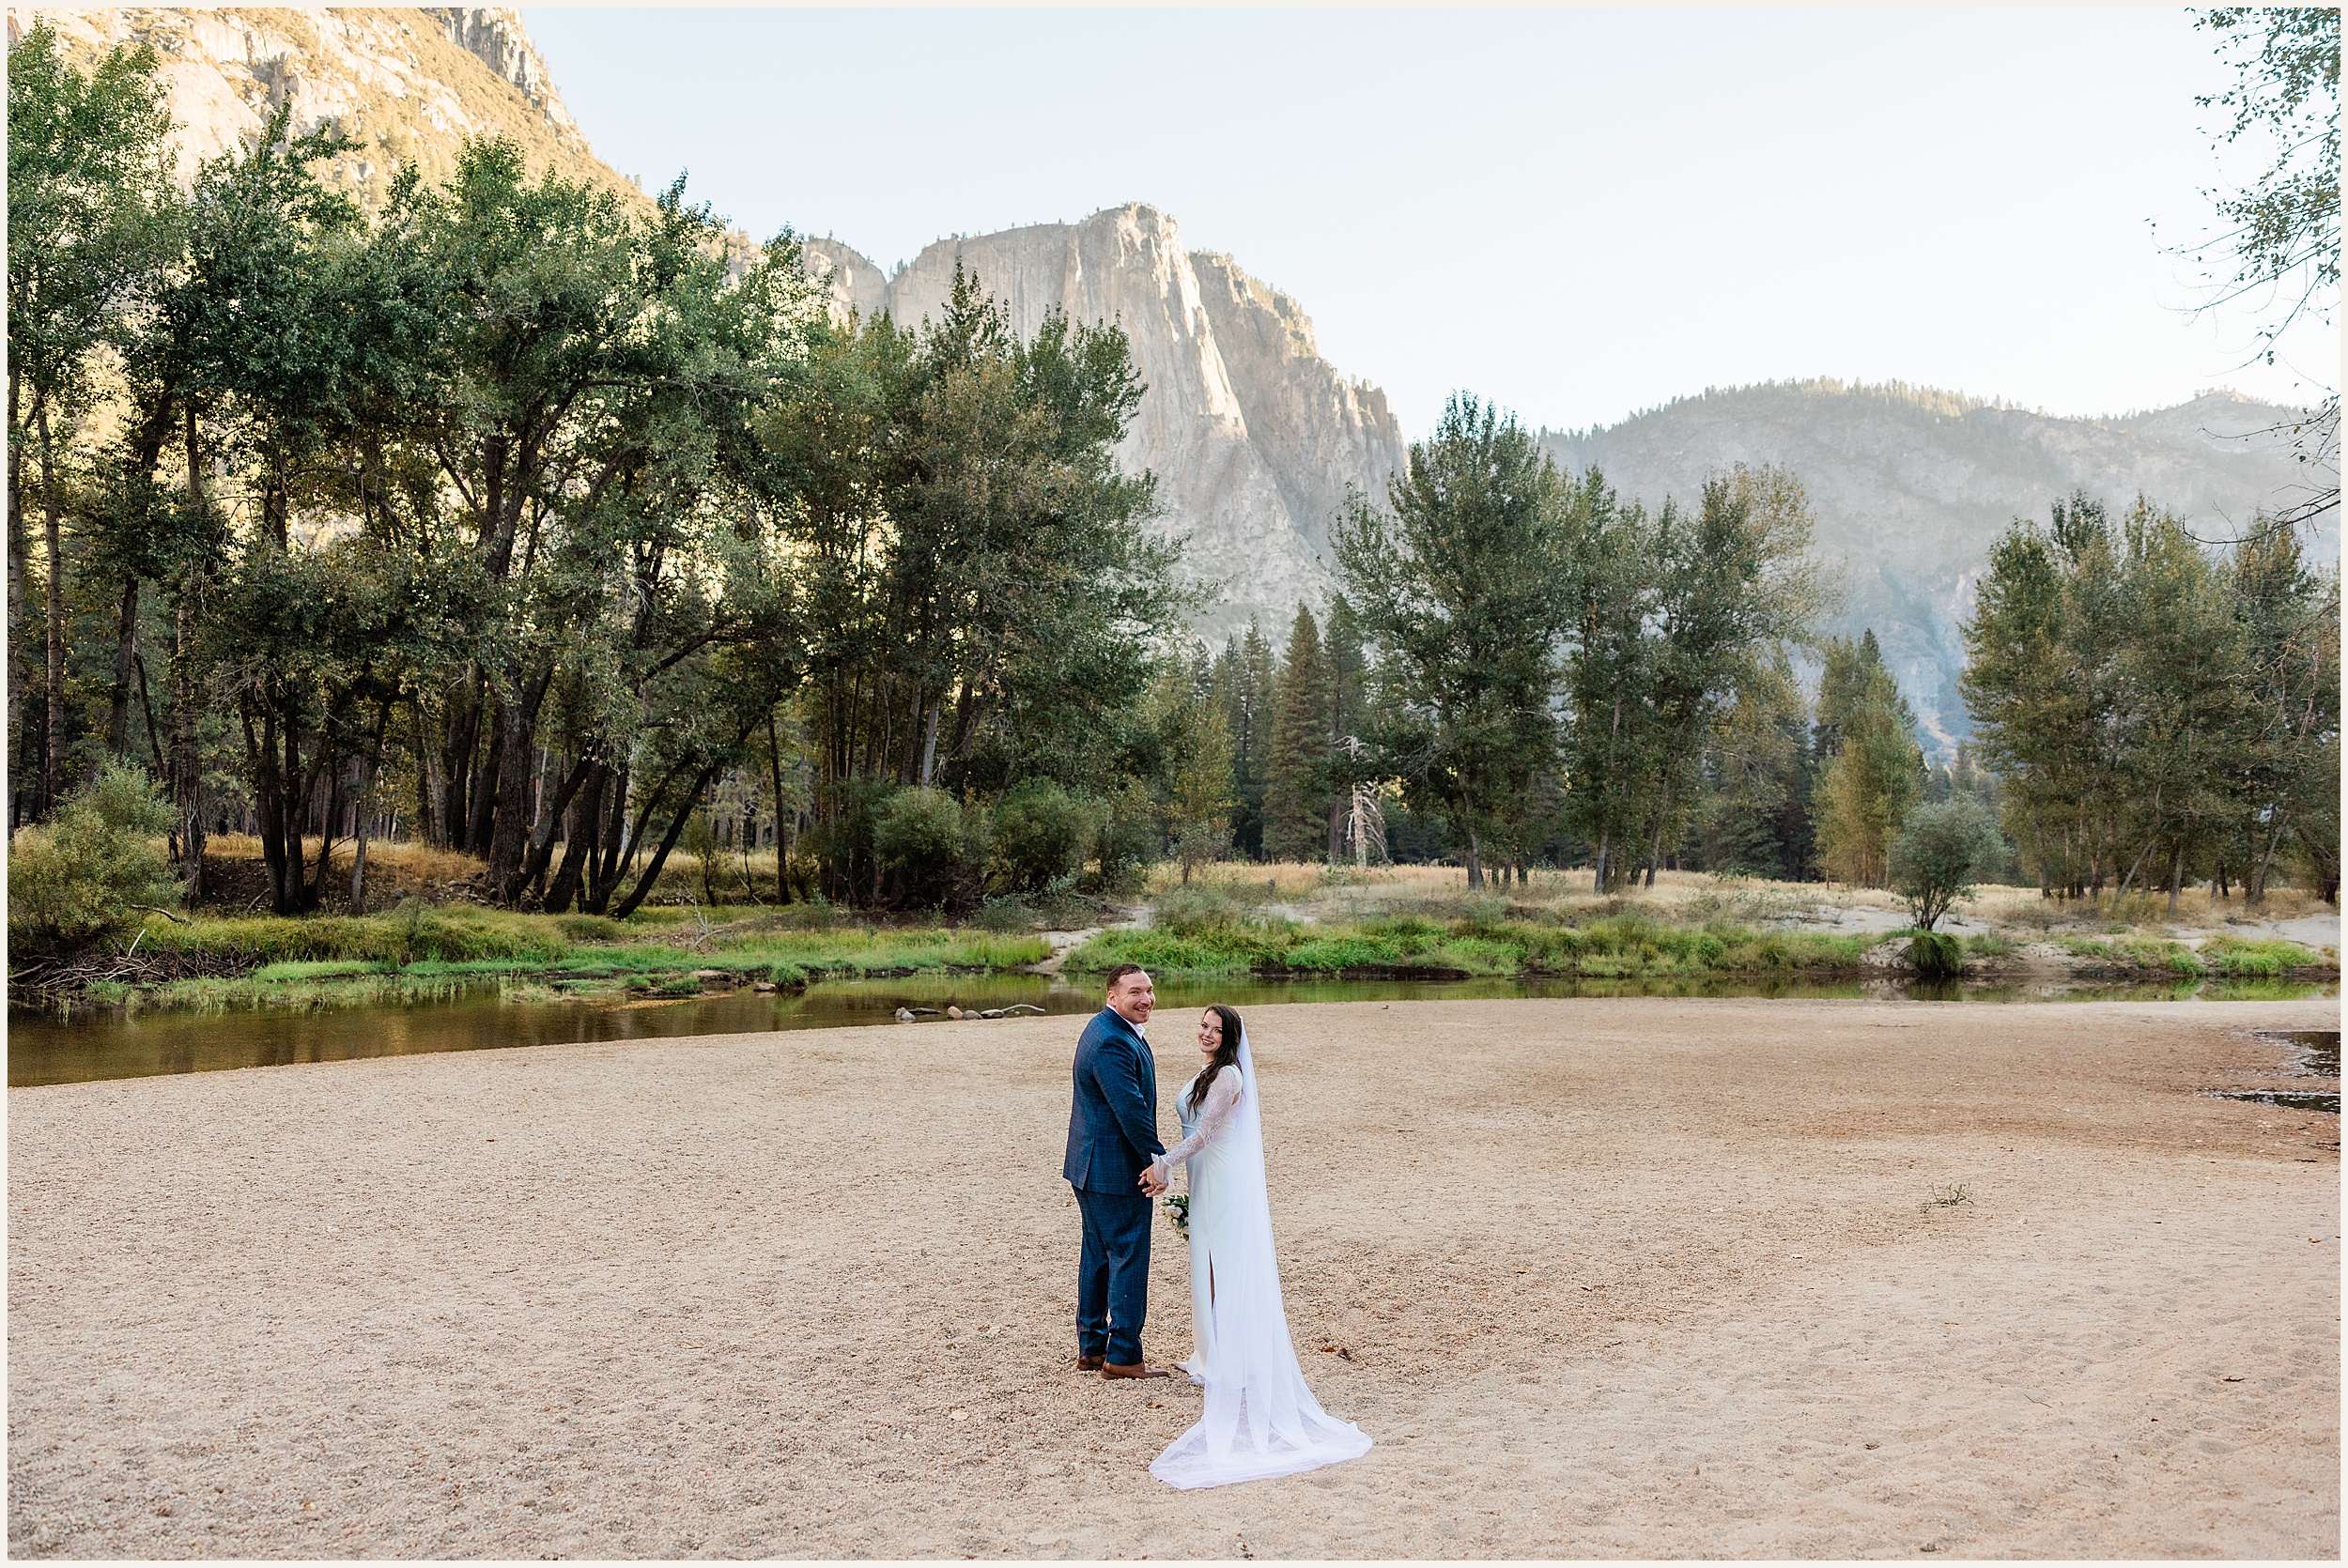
<point>1260,1420</point>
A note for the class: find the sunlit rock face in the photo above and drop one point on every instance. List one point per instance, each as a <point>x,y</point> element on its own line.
<point>1253,437</point>
<point>400,83</point>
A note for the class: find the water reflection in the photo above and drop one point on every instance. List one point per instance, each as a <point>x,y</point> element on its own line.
<point>43,1049</point>
<point>2314,1052</point>
<point>2289,1099</point>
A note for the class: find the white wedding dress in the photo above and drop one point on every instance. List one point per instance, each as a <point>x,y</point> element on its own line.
<point>1260,1420</point>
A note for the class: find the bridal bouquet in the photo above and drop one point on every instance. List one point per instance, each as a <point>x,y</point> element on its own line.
<point>1178,1210</point>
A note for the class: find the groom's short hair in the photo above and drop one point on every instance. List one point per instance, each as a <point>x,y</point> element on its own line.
<point>1117,976</point>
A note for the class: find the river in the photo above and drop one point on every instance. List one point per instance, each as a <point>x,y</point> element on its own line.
<point>105,1043</point>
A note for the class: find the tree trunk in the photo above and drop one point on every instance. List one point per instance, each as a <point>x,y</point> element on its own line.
<point>17,551</point>
<point>603,878</point>
<point>1475,860</point>
<point>2176,876</point>
<point>782,814</point>
<point>371,768</point>
<point>154,737</point>
<point>270,787</point>
<point>668,841</point>
<point>509,831</point>
<point>2254,885</point>
<point>54,742</point>
<point>534,866</point>
<point>329,820</point>
<point>578,844</point>
<point>486,785</point>
<point>126,648</point>
<point>187,781</point>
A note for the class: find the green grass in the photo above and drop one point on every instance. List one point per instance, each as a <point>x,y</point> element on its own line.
<point>2231,957</point>
<point>315,969</point>
<point>1479,944</point>
<point>420,956</point>
<point>2253,959</point>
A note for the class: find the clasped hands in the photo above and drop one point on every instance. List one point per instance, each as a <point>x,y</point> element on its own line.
<point>1153,1184</point>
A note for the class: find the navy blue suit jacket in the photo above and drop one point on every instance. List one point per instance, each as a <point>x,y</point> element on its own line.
<point>1113,1125</point>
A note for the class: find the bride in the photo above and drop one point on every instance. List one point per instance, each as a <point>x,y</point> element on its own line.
<point>1260,1420</point>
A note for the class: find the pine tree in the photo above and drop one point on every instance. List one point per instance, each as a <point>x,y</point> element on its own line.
<point>1242,690</point>
<point>1296,787</point>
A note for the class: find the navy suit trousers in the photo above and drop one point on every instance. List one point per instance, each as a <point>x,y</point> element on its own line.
<point>1113,1275</point>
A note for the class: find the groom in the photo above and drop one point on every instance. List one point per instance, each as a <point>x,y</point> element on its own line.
<point>1112,1139</point>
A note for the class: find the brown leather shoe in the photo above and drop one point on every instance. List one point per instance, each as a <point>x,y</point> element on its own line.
<point>1090,1364</point>
<point>1137,1370</point>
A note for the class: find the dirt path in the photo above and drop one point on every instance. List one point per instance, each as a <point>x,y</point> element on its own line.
<point>1601,1278</point>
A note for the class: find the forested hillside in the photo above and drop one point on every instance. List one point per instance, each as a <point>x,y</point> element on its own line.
<point>1912,486</point>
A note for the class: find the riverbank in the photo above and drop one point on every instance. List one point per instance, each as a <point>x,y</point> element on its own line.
<point>1413,924</point>
<point>1601,1278</point>
<point>433,955</point>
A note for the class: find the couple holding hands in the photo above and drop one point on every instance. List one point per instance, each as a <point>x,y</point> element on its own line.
<point>1259,1419</point>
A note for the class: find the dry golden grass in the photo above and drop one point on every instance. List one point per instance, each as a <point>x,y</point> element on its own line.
<point>1321,893</point>
<point>414,860</point>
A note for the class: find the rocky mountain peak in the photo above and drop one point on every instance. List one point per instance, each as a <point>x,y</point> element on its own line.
<point>403,84</point>
<point>1254,437</point>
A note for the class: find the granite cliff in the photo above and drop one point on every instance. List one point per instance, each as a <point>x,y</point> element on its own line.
<point>402,82</point>
<point>1253,436</point>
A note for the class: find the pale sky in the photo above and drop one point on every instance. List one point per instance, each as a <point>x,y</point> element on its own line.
<point>1576,213</point>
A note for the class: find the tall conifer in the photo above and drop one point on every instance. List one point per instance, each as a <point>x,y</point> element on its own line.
<point>1296,788</point>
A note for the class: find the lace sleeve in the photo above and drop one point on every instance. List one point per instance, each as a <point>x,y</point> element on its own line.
<point>1213,1118</point>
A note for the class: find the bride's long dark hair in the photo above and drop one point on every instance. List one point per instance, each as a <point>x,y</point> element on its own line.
<point>1226,1054</point>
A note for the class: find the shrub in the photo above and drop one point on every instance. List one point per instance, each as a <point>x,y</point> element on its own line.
<point>1127,841</point>
<point>76,876</point>
<point>1936,955</point>
<point>1938,852</point>
<point>917,837</point>
<point>1197,907</point>
<point>1041,832</point>
<point>1005,915</point>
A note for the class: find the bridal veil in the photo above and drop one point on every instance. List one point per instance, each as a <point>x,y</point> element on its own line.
<point>1260,1421</point>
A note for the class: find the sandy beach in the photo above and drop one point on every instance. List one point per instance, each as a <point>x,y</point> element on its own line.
<point>1643,1278</point>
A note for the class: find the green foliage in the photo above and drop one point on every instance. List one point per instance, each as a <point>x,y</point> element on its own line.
<point>1680,625</point>
<point>1241,686</point>
<point>921,840</point>
<point>1127,842</point>
<point>1936,955</point>
<point>1758,777</point>
<point>1455,582</point>
<point>1296,790</point>
<point>1040,834</point>
<point>1196,937</point>
<point>1199,810</point>
<point>88,226</point>
<point>1876,770</point>
<point>2284,229</point>
<point>1940,853</point>
<point>2245,958</point>
<point>76,876</point>
<point>2154,712</point>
